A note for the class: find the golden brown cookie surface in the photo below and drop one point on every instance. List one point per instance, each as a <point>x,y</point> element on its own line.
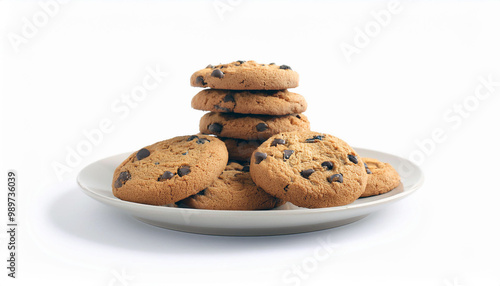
<point>251,127</point>
<point>170,170</point>
<point>309,169</point>
<point>233,190</point>
<point>270,102</point>
<point>246,75</point>
<point>382,177</point>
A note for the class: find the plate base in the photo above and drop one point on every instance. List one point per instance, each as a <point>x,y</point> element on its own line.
<point>250,232</point>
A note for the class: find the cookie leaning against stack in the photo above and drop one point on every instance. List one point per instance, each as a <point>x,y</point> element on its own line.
<point>248,103</point>
<point>309,169</point>
<point>171,170</point>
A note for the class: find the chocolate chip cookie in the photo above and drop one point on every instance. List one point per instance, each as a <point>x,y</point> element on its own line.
<point>382,177</point>
<point>270,102</point>
<point>233,190</point>
<point>239,149</point>
<point>246,75</point>
<point>170,170</point>
<point>251,127</point>
<point>309,169</point>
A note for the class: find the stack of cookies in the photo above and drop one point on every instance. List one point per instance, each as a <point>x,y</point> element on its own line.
<point>258,123</point>
<point>248,103</point>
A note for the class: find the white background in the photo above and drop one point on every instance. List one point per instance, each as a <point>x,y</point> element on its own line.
<point>403,84</point>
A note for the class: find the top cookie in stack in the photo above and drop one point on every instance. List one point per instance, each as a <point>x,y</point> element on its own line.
<point>248,103</point>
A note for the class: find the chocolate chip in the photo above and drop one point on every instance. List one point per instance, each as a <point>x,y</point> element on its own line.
<point>200,80</point>
<point>217,73</point>
<point>353,158</point>
<point>157,163</point>
<point>368,171</point>
<point>185,153</point>
<point>143,153</point>
<point>298,116</point>
<point>262,127</point>
<point>278,141</point>
<point>210,67</point>
<point>202,141</point>
<point>259,157</point>
<point>336,178</point>
<point>183,171</point>
<point>241,62</point>
<point>222,108</point>
<point>167,175</point>
<point>122,178</point>
<point>272,64</point>
<point>307,173</point>
<point>228,98</point>
<point>192,137</point>
<point>215,128</point>
<point>327,164</point>
<point>246,168</point>
<point>314,138</point>
<point>285,67</point>
<point>287,154</point>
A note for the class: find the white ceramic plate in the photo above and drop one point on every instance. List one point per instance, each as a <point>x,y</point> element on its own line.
<point>96,178</point>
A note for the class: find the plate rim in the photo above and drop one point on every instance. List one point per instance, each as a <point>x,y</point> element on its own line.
<point>126,204</point>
